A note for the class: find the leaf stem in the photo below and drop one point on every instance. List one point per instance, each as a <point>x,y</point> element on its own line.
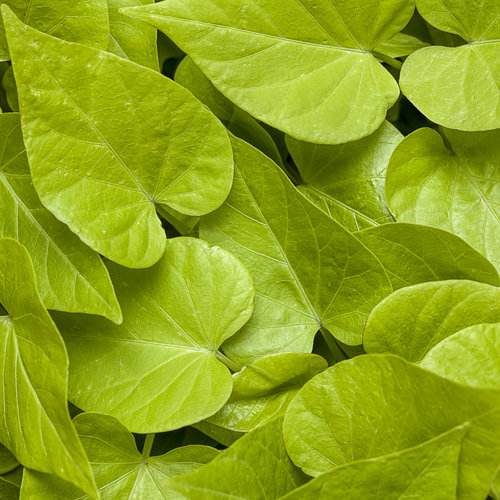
<point>234,367</point>
<point>148,444</point>
<point>394,63</point>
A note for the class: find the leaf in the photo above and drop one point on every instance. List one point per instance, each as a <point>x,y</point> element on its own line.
<point>263,389</point>
<point>304,67</point>
<point>458,87</point>
<point>495,484</point>
<point>119,469</point>
<point>308,270</point>
<point>413,320</point>
<point>255,467</point>
<point>161,369</point>
<point>70,276</point>
<point>131,39</point>
<point>401,45</point>
<point>36,425</point>
<point>428,470</point>
<point>82,21</point>
<point>10,484</point>
<point>219,434</point>
<point>8,461</point>
<point>102,172</point>
<point>470,356</point>
<point>347,181</point>
<point>9,85</point>
<point>375,405</point>
<point>452,188</point>
<point>413,254</point>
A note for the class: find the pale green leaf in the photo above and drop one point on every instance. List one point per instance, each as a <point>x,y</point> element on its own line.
<point>10,484</point>
<point>36,425</point>
<point>374,405</point>
<point>82,21</point>
<point>108,139</point>
<point>263,389</point>
<point>161,369</point>
<point>309,271</point>
<point>470,356</point>
<point>455,188</point>
<point>413,320</point>
<point>120,470</point>
<point>131,39</point>
<point>305,67</point>
<point>347,181</point>
<point>256,467</point>
<point>70,276</point>
<point>427,471</point>
<point>413,254</point>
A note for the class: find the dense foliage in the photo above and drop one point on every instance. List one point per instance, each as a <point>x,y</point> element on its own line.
<point>249,249</point>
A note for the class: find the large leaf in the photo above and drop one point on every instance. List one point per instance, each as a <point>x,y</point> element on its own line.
<point>120,470</point>
<point>454,188</point>
<point>413,320</point>
<point>309,271</point>
<point>71,277</point>
<point>35,425</point>
<point>375,405</point>
<point>413,254</point>
<point>470,356</point>
<point>256,467</point>
<point>161,369</point>
<point>82,21</point>
<point>102,172</point>
<point>428,470</point>
<point>129,38</point>
<point>347,181</point>
<point>263,389</point>
<point>458,87</point>
<point>305,67</point>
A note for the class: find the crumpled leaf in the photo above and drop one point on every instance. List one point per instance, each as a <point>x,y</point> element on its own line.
<point>309,271</point>
<point>120,470</point>
<point>347,181</point>
<point>458,87</point>
<point>263,389</point>
<point>70,276</point>
<point>453,187</point>
<point>414,319</point>
<point>36,425</point>
<point>102,172</point>
<point>374,405</point>
<point>161,369</point>
<point>305,67</point>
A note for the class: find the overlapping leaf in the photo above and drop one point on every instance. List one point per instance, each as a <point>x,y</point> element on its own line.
<point>305,67</point>
<point>161,369</point>
<point>10,484</point>
<point>107,140</point>
<point>8,461</point>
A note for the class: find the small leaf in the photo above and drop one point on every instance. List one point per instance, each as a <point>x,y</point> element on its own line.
<point>8,461</point>
<point>10,484</point>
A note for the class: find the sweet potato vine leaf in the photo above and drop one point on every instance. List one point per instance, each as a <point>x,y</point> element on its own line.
<point>305,67</point>
<point>161,369</point>
<point>120,470</point>
<point>70,276</point>
<point>108,139</point>
<point>309,271</point>
<point>36,425</point>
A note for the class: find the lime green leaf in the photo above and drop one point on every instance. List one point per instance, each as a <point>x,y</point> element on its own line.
<point>119,469</point>
<point>9,85</point>
<point>347,181</point>
<point>131,39</point>
<point>82,21</point>
<point>454,188</point>
<point>495,484</point>
<point>428,470</point>
<point>413,320</point>
<point>263,389</point>
<point>304,67</point>
<point>256,467</point>
<point>413,254</point>
<point>458,87</point>
<point>70,276</point>
<point>102,172</point>
<point>10,484</point>
<point>470,356</point>
<point>36,425</point>
<point>219,434</point>
<point>8,461</point>
<point>401,45</point>
<point>161,369</point>
<point>309,271</point>
<point>374,405</point>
